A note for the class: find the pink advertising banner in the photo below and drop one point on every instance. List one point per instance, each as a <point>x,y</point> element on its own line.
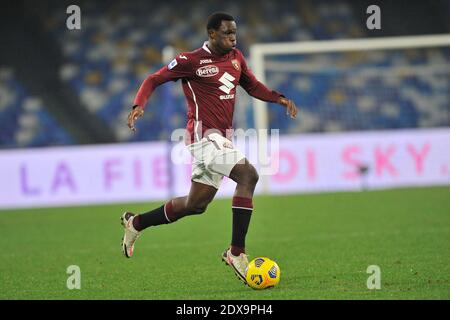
<point>139,172</point>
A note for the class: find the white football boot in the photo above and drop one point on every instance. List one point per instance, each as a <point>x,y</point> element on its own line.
<point>239,263</point>
<point>131,234</point>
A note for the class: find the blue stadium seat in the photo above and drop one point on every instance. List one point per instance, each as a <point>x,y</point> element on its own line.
<point>24,121</point>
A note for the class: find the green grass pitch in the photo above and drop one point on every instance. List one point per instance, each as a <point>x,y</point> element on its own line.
<point>323,244</point>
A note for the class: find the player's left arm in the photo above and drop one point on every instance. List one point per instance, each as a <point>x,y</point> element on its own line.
<point>257,89</point>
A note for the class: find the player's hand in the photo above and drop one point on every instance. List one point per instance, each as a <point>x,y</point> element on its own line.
<point>291,108</point>
<point>136,113</point>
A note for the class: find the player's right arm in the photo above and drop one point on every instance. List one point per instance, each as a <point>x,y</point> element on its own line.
<point>178,68</point>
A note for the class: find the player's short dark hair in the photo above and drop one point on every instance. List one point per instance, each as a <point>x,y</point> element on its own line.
<point>215,20</point>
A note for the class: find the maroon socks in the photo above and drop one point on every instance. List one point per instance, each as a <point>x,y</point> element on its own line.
<point>242,212</point>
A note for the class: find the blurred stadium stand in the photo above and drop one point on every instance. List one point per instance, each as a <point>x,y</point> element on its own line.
<point>121,43</point>
<point>24,120</point>
<point>356,91</point>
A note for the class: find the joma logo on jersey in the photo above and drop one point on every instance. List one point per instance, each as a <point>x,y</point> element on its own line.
<point>204,61</point>
<point>207,71</point>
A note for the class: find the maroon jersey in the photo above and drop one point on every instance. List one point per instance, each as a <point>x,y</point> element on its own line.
<point>209,83</point>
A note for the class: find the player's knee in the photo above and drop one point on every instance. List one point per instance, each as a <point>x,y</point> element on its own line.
<point>252,176</point>
<point>247,176</point>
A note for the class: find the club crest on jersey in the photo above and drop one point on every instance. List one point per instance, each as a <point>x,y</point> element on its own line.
<point>235,64</point>
<point>207,71</point>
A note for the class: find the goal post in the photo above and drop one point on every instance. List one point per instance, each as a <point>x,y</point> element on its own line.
<point>259,54</point>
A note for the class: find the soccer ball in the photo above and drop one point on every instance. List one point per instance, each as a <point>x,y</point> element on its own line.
<point>262,273</point>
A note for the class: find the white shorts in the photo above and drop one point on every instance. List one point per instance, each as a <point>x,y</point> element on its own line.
<point>214,158</point>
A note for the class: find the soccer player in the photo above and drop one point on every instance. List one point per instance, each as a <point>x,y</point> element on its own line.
<point>209,78</point>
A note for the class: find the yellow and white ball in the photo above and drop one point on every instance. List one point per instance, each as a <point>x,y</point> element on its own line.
<point>263,273</point>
